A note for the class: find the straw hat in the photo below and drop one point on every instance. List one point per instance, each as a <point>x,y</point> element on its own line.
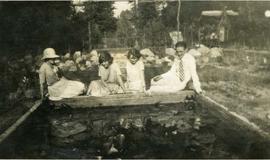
<point>49,53</point>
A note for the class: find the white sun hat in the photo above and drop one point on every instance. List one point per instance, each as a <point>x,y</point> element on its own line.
<point>49,53</point>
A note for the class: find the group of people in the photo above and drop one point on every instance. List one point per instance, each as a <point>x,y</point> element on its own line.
<point>110,81</point>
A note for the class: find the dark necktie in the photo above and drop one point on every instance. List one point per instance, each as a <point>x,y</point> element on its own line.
<point>181,74</point>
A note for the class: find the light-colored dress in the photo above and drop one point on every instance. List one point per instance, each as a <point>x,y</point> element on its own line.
<point>135,79</point>
<point>109,76</point>
<point>59,88</point>
<point>171,83</point>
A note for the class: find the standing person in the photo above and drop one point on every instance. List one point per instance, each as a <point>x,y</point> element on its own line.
<point>135,72</point>
<point>52,83</point>
<point>110,78</point>
<point>182,71</point>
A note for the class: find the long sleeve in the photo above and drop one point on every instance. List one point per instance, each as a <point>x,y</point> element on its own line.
<point>42,76</point>
<point>194,75</point>
<point>142,74</point>
<point>42,80</point>
<point>173,68</point>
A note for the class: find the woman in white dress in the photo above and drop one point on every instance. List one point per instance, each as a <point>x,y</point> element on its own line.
<point>135,72</point>
<point>110,78</point>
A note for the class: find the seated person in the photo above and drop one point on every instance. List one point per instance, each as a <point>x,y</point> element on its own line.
<point>135,72</point>
<point>58,87</point>
<point>182,71</point>
<point>110,78</point>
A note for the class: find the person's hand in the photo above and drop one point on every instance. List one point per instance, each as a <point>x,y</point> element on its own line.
<point>148,93</point>
<point>44,96</point>
<point>201,92</point>
<point>88,92</point>
<point>144,90</point>
<point>157,78</point>
<point>125,90</point>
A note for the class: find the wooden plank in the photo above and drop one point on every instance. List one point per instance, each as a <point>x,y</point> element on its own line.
<point>15,125</point>
<point>226,115</point>
<point>125,100</point>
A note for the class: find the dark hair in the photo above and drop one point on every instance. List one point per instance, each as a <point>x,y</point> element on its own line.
<point>181,44</point>
<point>105,56</point>
<point>134,52</point>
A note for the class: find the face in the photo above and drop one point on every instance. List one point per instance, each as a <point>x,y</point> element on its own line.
<point>51,61</point>
<point>56,61</point>
<point>180,51</point>
<point>105,64</point>
<point>133,59</point>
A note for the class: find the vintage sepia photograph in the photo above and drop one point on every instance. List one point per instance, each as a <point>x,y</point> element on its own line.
<point>135,79</point>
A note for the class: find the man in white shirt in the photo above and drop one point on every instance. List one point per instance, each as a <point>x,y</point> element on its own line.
<point>182,71</point>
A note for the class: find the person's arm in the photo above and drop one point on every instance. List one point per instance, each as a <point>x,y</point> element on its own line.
<point>42,82</point>
<point>194,75</point>
<point>102,78</point>
<point>172,70</point>
<point>142,76</point>
<point>104,83</point>
<point>120,81</point>
<point>143,80</point>
<point>119,78</point>
<point>41,91</point>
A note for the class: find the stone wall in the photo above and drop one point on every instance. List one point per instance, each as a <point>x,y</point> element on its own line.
<point>184,130</point>
<point>135,131</point>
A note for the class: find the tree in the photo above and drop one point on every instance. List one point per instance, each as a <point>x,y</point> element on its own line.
<point>148,25</point>
<point>100,17</point>
<point>32,26</point>
<point>125,32</point>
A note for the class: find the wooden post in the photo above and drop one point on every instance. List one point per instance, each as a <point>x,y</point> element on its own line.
<point>191,34</point>
<point>136,21</point>
<point>105,40</point>
<point>178,21</point>
<point>89,36</point>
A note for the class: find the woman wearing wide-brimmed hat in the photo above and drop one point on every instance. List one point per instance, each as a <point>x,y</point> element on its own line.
<point>57,87</point>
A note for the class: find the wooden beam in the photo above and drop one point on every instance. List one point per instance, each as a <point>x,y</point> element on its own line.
<point>125,100</point>
<point>226,115</point>
<point>80,3</point>
<point>15,125</point>
<point>143,1</point>
<point>140,1</point>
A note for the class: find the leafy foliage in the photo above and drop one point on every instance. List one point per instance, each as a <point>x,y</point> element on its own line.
<point>100,17</point>
<point>32,26</point>
<point>125,29</point>
<point>29,27</point>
